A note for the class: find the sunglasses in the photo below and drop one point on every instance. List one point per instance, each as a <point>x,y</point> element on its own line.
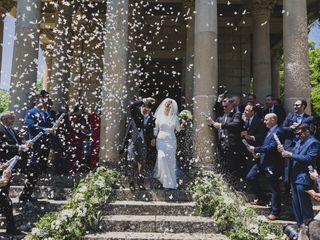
<point>296,105</point>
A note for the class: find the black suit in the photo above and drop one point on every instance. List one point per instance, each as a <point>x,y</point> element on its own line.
<point>9,147</point>
<point>138,139</point>
<point>258,130</point>
<point>291,138</point>
<point>229,143</point>
<point>278,110</point>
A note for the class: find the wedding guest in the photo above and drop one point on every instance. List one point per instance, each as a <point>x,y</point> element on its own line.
<point>290,124</point>
<point>302,156</point>
<point>75,138</point>
<point>271,108</point>
<point>269,164</point>
<point>38,121</point>
<point>229,127</point>
<point>94,123</point>
<point>5,201</point>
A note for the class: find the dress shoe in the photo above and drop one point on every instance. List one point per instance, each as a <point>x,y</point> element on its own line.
<point>13,232</point>
<point>272,217</point>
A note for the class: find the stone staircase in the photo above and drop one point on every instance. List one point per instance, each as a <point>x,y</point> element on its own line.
<point>150,214</point>
<point>51,192</point>
<point>154,214</point>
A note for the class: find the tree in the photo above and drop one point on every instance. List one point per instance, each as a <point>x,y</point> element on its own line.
<point>4,100</point>
<point>314,69</point>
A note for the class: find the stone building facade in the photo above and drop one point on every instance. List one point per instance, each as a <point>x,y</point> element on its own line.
<point>105,53</point>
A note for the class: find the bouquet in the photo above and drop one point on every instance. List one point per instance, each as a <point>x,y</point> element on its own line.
<point>185,117</point>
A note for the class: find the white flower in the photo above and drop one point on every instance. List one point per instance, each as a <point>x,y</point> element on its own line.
<point>66,214</point>
<point>38,232</point>
<point>101,182</point>
<point>79,197</point>
<point>82,189</point>
<point>82,211</point>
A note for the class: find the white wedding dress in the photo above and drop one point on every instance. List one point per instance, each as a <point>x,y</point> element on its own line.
<point>166,165</point>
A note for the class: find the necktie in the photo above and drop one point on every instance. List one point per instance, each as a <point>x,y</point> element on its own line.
<point>11,132</point>
<point>247,123</point>
<point>225,116</point>
<point>270,110</point>
<point>299,118</point>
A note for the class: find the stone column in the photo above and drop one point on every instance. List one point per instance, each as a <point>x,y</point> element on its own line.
<point>189,60</point>
<point>48,74</point>
<point>61,57</point>
<point>25,57</point>
<point>261,10</point>
<point>1,38</point>
<point>205,77</point>
<point>295,47</point>
<point>114,90</point>
<point>275,69</point>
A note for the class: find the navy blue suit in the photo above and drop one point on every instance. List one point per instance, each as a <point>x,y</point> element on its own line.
<point>37,121</point>
<point>304,154</point>
<point>290,137</point>
<point>270,164</point>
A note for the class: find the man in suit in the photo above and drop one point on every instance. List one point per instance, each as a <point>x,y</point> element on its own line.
<point>229,127</point>
<point>303,155</point>
<point>269,164</point>
<point>290,124</point>
<point>37,120</point>
<point>271,108</point>
<point>254,131</point>
<point>139,138</point>
<point>10,146</point>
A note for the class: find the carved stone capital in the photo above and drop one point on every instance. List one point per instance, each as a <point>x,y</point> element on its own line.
<point>262,7</point>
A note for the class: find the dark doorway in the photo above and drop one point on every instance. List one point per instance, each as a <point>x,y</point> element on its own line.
<point>162,79</point>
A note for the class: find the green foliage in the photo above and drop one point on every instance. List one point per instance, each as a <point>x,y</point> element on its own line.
<point>39,85</point>
<point>235,218</point>
<point>81,211</point>
<point>314,76</point>
<point>4,101</point>
<point>314,71</point>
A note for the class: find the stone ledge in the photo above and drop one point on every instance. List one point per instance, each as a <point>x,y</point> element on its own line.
<point>155,236</point>
<point>160,224</point>
<point>153,195</point>
<point>154,208</point>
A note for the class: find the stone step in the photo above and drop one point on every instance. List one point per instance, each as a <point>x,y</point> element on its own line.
<point>67,181</point>
<point>159,224</point>
<point>151,208</point>
<point>27,213</point>
<point>152,235</point>
<point>286,213</point>
<point>4,236</point>
<point>152,195</point>
<point>40,192</point>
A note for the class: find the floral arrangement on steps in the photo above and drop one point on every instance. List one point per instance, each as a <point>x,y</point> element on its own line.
<point>234,217</point>
<point>81,211</point>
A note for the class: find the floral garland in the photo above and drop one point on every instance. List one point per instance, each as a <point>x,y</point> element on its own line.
<point>81,211</point>
<point>235,218</point>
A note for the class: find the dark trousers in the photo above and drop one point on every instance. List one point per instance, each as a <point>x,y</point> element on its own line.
<point>137,152</point>
<point>273,184</point>
<point>231,162</point>
<point>6,209</point>
<point>301,203</point>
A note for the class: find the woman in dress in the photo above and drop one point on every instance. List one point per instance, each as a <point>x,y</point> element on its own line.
<point>166,124</point>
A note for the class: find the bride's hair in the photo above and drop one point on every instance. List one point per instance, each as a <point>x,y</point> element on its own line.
<point>160,112</point>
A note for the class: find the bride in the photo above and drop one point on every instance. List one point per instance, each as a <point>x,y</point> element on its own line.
<point>166,124</point>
